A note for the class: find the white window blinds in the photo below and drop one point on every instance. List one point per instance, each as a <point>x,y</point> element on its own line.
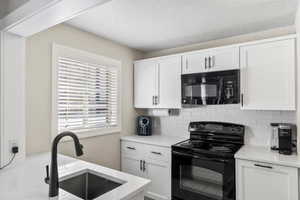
<point>87,95</point>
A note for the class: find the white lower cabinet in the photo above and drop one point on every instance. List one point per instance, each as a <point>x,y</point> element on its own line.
<point>264,181</point>
<point>151,162</point>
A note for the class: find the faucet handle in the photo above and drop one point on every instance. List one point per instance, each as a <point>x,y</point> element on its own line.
<point>47,175</point>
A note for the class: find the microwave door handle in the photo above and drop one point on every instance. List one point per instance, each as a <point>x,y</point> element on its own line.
<point>199,157</point>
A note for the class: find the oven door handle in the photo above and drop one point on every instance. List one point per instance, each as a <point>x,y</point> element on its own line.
<point>200,157</point>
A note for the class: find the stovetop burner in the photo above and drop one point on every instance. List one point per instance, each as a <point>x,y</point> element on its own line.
<point>209,147</point>
<point>214,138</point>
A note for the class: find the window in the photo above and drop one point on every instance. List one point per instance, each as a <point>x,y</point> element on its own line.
<point>85,92</point>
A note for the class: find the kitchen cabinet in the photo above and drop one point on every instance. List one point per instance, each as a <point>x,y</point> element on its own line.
<point>268,75</point>
<point>157,83</point>
<point>145,83</point>
<point>151,162</point>
<point>262,181</point>
<point>219,59</point>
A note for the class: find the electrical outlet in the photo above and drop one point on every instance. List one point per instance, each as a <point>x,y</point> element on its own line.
<point>12,143</point>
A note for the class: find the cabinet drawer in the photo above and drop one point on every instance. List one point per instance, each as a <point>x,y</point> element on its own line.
<point>159,154</point>
<point>131,149</point>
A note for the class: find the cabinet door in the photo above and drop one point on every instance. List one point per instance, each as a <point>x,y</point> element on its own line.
<point>145,83</point>
<point>160,176</point>
<point>132,166</point>
<point>194,62</point>
<point>224,59</point>
<point>169,82</point>
<point>268,75</point>
<point>261,181</point>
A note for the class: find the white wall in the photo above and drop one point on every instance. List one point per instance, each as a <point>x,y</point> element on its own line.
<point>12,96</point>
<point>258,129</point>
<point>104,150</point>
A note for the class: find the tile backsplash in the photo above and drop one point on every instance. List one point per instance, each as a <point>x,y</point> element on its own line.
<point>258,130</point>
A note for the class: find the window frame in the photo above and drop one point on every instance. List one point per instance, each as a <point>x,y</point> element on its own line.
<point>85,56</point>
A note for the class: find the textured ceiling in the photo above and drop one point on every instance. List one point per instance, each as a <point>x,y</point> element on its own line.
<point>7,6</point>
<point>158,24</point>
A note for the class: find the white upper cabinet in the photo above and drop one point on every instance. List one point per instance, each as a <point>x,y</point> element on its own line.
<point>194,62</point>
<point>219,59</point>
<point>224,59</point>
<point>145,83</point>
<point>169,70</point>
<point>268,75</point>
<point>157,83</point>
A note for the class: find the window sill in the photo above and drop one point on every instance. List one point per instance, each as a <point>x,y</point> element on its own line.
<point>92,133</point>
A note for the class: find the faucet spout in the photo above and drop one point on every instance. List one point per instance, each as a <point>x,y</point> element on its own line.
<point>53,182</point>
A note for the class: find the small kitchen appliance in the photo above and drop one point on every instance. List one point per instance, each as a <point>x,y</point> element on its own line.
<point>211,88</point>
<point>203,167</point>
<point>283,138</point>
<point>144,126</point>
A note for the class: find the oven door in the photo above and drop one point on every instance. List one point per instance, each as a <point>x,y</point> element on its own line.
<point>197,177</point>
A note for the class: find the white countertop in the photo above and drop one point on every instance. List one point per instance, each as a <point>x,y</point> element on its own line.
<point>158,140</point>
<point>264,154</point>
<point>26,180</point>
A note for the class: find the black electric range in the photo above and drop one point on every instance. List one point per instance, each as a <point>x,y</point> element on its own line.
<point>203,167</point>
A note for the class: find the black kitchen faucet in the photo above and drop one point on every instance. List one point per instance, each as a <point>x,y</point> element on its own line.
<point>53,179</point>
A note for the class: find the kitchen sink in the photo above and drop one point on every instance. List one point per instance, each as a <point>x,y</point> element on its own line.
<point>88,186</point>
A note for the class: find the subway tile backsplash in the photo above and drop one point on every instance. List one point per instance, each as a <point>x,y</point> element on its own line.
<point>257,123</point>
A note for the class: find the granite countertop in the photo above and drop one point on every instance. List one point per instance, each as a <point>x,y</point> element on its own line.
<point>26,179</point>
<point>265,154</point>
<point>158,140</point>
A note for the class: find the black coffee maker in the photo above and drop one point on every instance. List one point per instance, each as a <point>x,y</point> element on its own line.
<point>285,138</point>
<point>144,126</point>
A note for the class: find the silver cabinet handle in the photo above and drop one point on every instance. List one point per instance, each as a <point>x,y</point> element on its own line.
<point>205,63</point>
<point>263,166</point>
<point>157,153</point>
<point>131,148</point>
<point>209,62</point>
<point>157,100</point>
<point>242,100</point>
<point>144,165</point>
<point>153,100</point>
<point>212,61</point>
<point>141,165</point>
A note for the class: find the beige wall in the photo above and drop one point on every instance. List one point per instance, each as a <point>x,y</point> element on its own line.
<point>103,150</point>
<point>226,41</point>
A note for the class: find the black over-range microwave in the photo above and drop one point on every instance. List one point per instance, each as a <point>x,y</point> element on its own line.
<point>211,88</point>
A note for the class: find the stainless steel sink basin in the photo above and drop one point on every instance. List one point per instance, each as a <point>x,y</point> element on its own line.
<point>88,186</point>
